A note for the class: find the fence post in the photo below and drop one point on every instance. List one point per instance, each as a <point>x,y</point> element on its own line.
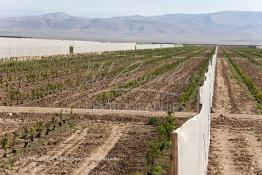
<point>174,154</point>
<point>71,50</point>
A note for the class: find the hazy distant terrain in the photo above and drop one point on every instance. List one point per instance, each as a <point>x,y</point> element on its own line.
<point>229,27</point>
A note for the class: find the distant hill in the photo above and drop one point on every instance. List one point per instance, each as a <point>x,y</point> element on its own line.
<point>227,27</point>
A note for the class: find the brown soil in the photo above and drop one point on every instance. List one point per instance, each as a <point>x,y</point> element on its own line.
<point>161,93</point>
<point>231,94</point>
<point>235,146</point>
<point>253,70</point>
<point>104,144</point>
<point>222,100</point>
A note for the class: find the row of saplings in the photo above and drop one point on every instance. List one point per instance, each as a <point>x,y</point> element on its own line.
<point>31,134</point>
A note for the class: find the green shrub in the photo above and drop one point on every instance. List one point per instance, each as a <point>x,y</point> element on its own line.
<point>153,121</point>
<point>194,81</point>
<point>246,79</point>
<point>160,144</point>
<point>4,145</point>
<point>156,170</point>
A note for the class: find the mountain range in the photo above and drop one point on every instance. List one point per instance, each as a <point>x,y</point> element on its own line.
<point>230,27</point>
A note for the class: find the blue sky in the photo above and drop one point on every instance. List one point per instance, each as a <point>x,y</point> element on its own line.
<point>107,8</point>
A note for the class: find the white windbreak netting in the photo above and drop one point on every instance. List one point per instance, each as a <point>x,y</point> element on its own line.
<point>26,47</point>
<point>153,46</point>
<point>194,135</point>
<point>20,47</point>
<point>89,46</point>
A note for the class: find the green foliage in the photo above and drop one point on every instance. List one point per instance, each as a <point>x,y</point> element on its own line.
<point>195,80</point>
<point>153,153</point>
<point>164,130</point>
<point>252,60</point>
<point>15,95</point>
<point>160,144</point>
<point>104,97</point>
<point>72,121</point>
<point>50,88</point>
<point>246,79</point>
<point>71,124</point>
<point>57,73</point>
<point>4,144</point>
<point>156,170</point>
<point>39,129</point>
<point>259,106</point>
<point>25,135</point>
<point>153,121</point>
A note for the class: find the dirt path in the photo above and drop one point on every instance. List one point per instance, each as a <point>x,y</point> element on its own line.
<point>221,157</point>
<point>94,112</point>
<point>99,154</point>
<point>222,101</point>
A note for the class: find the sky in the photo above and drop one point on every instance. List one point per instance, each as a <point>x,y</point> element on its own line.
<point>109,8</point>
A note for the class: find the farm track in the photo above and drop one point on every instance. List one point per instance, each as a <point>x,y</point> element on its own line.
<point>90,112</point>
<point>223,99</point>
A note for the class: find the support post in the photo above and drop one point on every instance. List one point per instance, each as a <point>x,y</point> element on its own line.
<point>174,154</point>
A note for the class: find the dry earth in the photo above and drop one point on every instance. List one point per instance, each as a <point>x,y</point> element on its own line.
<point>236,142</point>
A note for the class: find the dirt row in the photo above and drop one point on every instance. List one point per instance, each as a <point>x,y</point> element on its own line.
<point>231,94</point>
<point>253,70</point>
<point>160,93</point>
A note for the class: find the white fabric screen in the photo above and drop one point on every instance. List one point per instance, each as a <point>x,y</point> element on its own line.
<point>23,47</point>
<point>194,135</point>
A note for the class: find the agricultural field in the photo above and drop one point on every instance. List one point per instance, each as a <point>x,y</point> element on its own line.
<point>69,144</point>
<point>158,79</point>
<point>164,80</point>
<point>236,136</point>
